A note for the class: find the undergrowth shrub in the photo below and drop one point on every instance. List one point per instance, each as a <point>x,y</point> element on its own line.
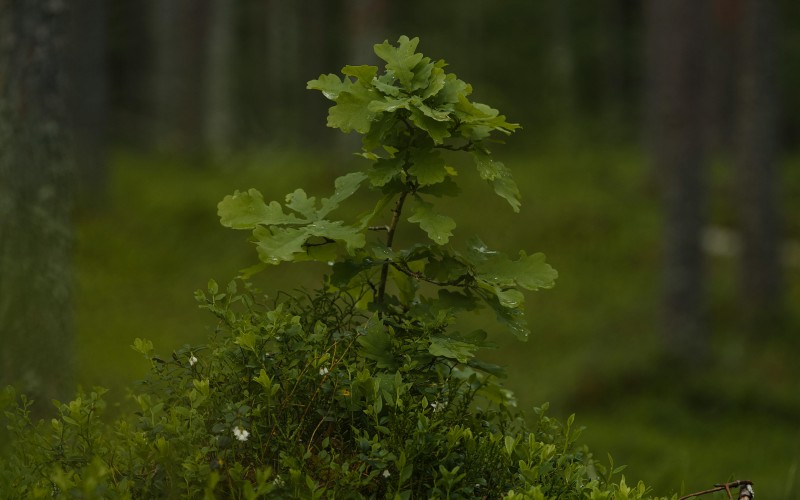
<point>361,388</point>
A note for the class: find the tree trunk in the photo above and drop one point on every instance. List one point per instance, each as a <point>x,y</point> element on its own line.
<point>757,172</point>
<point>366,26</point>
<point>219,119</point>
<point>180,42</point>
<point>88,102</point>
<point>283,70</point>
<point>674,64</point>
<point>35,200</point>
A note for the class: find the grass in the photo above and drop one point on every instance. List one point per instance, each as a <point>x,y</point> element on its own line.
<point>594,346</point>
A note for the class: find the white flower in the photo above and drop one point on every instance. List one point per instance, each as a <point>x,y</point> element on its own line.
<point>241,434</point>
<point>278,481</point>
<point>323,371</point>
<point>386,473</point>
<point>192,360</point>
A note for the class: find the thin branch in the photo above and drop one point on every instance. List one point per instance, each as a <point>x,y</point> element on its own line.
<point>396,211</point>
<point>720,487</point>
<point>419,276</point>
<point>469,146</point>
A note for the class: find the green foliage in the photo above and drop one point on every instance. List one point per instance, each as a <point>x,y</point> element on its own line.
<point>362,388</point>
<point>410,114</point>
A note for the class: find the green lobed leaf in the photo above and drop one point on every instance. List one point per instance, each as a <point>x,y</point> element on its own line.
<point>385,84</point>
<point>487,167</point>
<point>506,188</point>
<point>364,73</point>
<point>351,111</point>
<point>384,170</point>
<point>529,271</point>
<point>436,129</point>
<point>389,105</point>
<point>277,244</point>
<point>439,227</point>
<point>245,210</point>
<point>513,318</point>
<point>401,59</point>
<point>453,90</point>
<point>344,187</point>
<point>428,167</point>
<point>437,80</point>
<point>330,85</point>
<point>302,204</point>
<point>451,348</point>
<point>352,237</point>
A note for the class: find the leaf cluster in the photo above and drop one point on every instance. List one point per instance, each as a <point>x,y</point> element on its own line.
<point>411,116</point>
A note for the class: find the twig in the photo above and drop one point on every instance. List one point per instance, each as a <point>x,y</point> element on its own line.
<point>419,276</point>
<point>723,487</point>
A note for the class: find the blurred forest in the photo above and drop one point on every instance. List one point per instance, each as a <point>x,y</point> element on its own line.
<point>658,163</point>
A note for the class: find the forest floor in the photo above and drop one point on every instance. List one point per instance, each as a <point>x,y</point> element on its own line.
<point>594,346</point>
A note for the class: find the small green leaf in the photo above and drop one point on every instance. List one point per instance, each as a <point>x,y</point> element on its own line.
<point>301,203</point>
<point>352,110</point>
<point>439,227</point>
<point>401,59</point>
<point>276,244</point>
<point>453,90</point>
<point>364,73</point>
<point>437,130</point>
<point>428,167</point>
<point>436,114</point>
<point>487,167</point>
<point>385,84</point>
<point>389,105</point>
<point>436,81</point>
<point>245,210</point>
<point>529,271</point>
<point>344,187</point>
<point>510,297</point>
<point>330,85</point>
<point>336,230</point>
<point>451,348</point>
<point>506,188</point>
<point>376,344</point>
<point>384,170</point>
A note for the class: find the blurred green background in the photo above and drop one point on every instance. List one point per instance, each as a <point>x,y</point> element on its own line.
<point>178,103</point>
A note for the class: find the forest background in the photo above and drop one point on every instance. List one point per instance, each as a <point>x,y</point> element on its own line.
<point>658,163</point>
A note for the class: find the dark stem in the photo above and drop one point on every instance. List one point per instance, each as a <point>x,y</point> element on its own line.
<point>403,268</point>
<point>396,211</point>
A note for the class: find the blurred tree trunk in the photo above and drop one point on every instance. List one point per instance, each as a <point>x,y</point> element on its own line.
<point>367,23</point>
<point>88,100</point>
<point>35,200</point>
<point>219,118</point>
<point>180,46</point>
<point>756,166</point>
<point>562,61</point>
<point>675,78</point>
<point>721,71</point>
<point>283,69</point>
<point>322,49</point>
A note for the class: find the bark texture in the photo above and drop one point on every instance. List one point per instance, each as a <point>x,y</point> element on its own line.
<point>35,200</point>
